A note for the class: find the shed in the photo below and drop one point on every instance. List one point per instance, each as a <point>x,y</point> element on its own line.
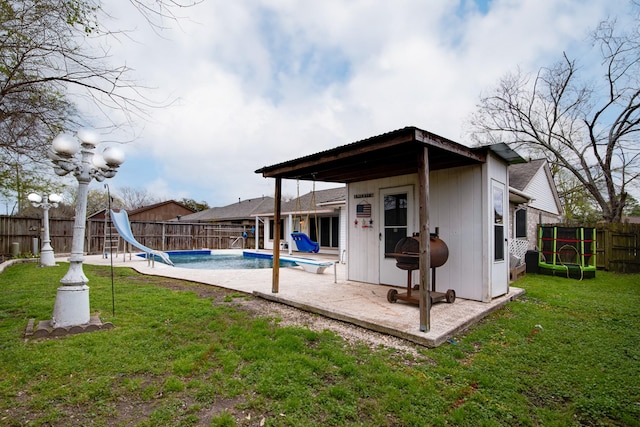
<point>414,181</point>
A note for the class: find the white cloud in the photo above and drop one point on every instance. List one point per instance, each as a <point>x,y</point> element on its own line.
<point>260,82</point>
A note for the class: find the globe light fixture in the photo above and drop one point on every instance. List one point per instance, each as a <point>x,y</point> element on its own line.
<point>46,202</point>
<point>80,159</point>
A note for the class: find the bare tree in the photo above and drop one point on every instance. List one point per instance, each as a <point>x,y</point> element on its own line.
<point>47,64</point>
<point>41,58</point>
<point>134,198</point>
<point>589,129</point>
<point>578,205</point>
<point>97,200</point>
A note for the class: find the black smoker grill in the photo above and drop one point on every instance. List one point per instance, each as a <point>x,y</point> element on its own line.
<point>407,255</point>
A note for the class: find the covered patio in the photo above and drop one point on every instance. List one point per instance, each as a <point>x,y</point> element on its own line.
<point>403,153</point>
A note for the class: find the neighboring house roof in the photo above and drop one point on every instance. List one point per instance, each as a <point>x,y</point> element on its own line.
<point>630,219</point>
<point>521,174</point>
<point>263,206</point>
<point>142,209</point>
<point>244,209</point>
<point>158,207</point>
<point>534,179</point>
<point>322,198</point>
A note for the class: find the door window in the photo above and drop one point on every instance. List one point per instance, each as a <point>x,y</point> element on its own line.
<point>395,219</point>
<point>498,223</point>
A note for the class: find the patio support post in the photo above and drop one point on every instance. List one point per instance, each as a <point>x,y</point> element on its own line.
<point>275,280</point>
<point>425,250</point>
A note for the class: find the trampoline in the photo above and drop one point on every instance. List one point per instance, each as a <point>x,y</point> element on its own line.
<point>567,251</point>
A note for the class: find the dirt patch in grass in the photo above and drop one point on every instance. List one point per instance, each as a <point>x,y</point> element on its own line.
<point>290,316</point>
<point>285,315</point>
<point>203,291</point>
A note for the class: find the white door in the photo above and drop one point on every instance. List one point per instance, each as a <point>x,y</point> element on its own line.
<point>396,213</point>
<point>500,255</point>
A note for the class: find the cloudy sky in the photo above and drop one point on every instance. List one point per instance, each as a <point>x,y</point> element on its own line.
<point>258,82</point>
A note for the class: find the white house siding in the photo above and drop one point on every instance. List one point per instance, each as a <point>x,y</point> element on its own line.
<point>541,188</point>
<point>461,207</point>
<point>268,243</point>
<point>543,209</point>
<point>456,209</point>
<point>363,243</point>
<point>286,223</point>
<point>456,206</point>
<point>344,224</point>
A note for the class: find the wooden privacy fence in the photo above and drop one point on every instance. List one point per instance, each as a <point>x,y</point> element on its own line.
<point>20,232</point>
<point>17,234</point>
<point>618,247</point>
<point>618,244</point>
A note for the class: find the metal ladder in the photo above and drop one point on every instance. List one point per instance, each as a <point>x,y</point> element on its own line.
<point>111,238</point>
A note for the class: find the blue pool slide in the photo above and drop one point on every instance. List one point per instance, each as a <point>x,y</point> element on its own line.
<point>304,243</point>
<point>121,222</point>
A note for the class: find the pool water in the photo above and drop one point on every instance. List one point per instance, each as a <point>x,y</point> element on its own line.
<point>205,260</point>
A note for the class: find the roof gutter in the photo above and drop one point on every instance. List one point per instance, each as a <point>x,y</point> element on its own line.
<point>528,197</point>
<point>318,211</point>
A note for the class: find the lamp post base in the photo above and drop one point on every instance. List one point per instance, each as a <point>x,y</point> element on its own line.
<point>71,307</point>
<point>47,258</point>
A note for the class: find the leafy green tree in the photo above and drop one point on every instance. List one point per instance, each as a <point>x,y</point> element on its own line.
<point>192,204</point>
<point>633,207</point>
<point>19,178</point>
<point>577,204</point>
<point>98,200</point>
<point>40,58</point>
<point>591,130</point>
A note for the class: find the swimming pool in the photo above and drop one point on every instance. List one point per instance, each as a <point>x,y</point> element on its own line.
<point>207,259</point>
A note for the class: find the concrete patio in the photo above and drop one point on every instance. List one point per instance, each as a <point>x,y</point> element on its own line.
<point>332,296</point>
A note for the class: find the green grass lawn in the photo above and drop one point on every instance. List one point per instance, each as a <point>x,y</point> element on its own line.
<point>567,353</point>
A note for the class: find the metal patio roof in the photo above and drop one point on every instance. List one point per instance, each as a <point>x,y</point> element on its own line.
<point>390,154</point>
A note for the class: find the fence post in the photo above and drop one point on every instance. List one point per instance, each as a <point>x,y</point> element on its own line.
<point>163,235</point>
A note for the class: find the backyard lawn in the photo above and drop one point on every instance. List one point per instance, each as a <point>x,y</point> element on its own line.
<point>567,353</point>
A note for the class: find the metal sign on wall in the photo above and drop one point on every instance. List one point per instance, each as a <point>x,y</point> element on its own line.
<point>363,210</point>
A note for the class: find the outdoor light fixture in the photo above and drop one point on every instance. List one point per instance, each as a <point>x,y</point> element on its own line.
<point>47,257</point>
<point>80,159</point>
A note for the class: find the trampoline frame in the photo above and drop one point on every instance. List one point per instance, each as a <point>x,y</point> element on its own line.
<point>553,246</point>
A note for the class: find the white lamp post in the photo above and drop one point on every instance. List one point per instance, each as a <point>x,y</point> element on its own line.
<point>72,299</point>
<point>46,202</point>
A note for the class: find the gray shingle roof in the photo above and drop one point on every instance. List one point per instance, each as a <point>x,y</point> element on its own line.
<point>521,174</point>
<point>241,210</point>
<point>322,196</point>
<point>244,209</point>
